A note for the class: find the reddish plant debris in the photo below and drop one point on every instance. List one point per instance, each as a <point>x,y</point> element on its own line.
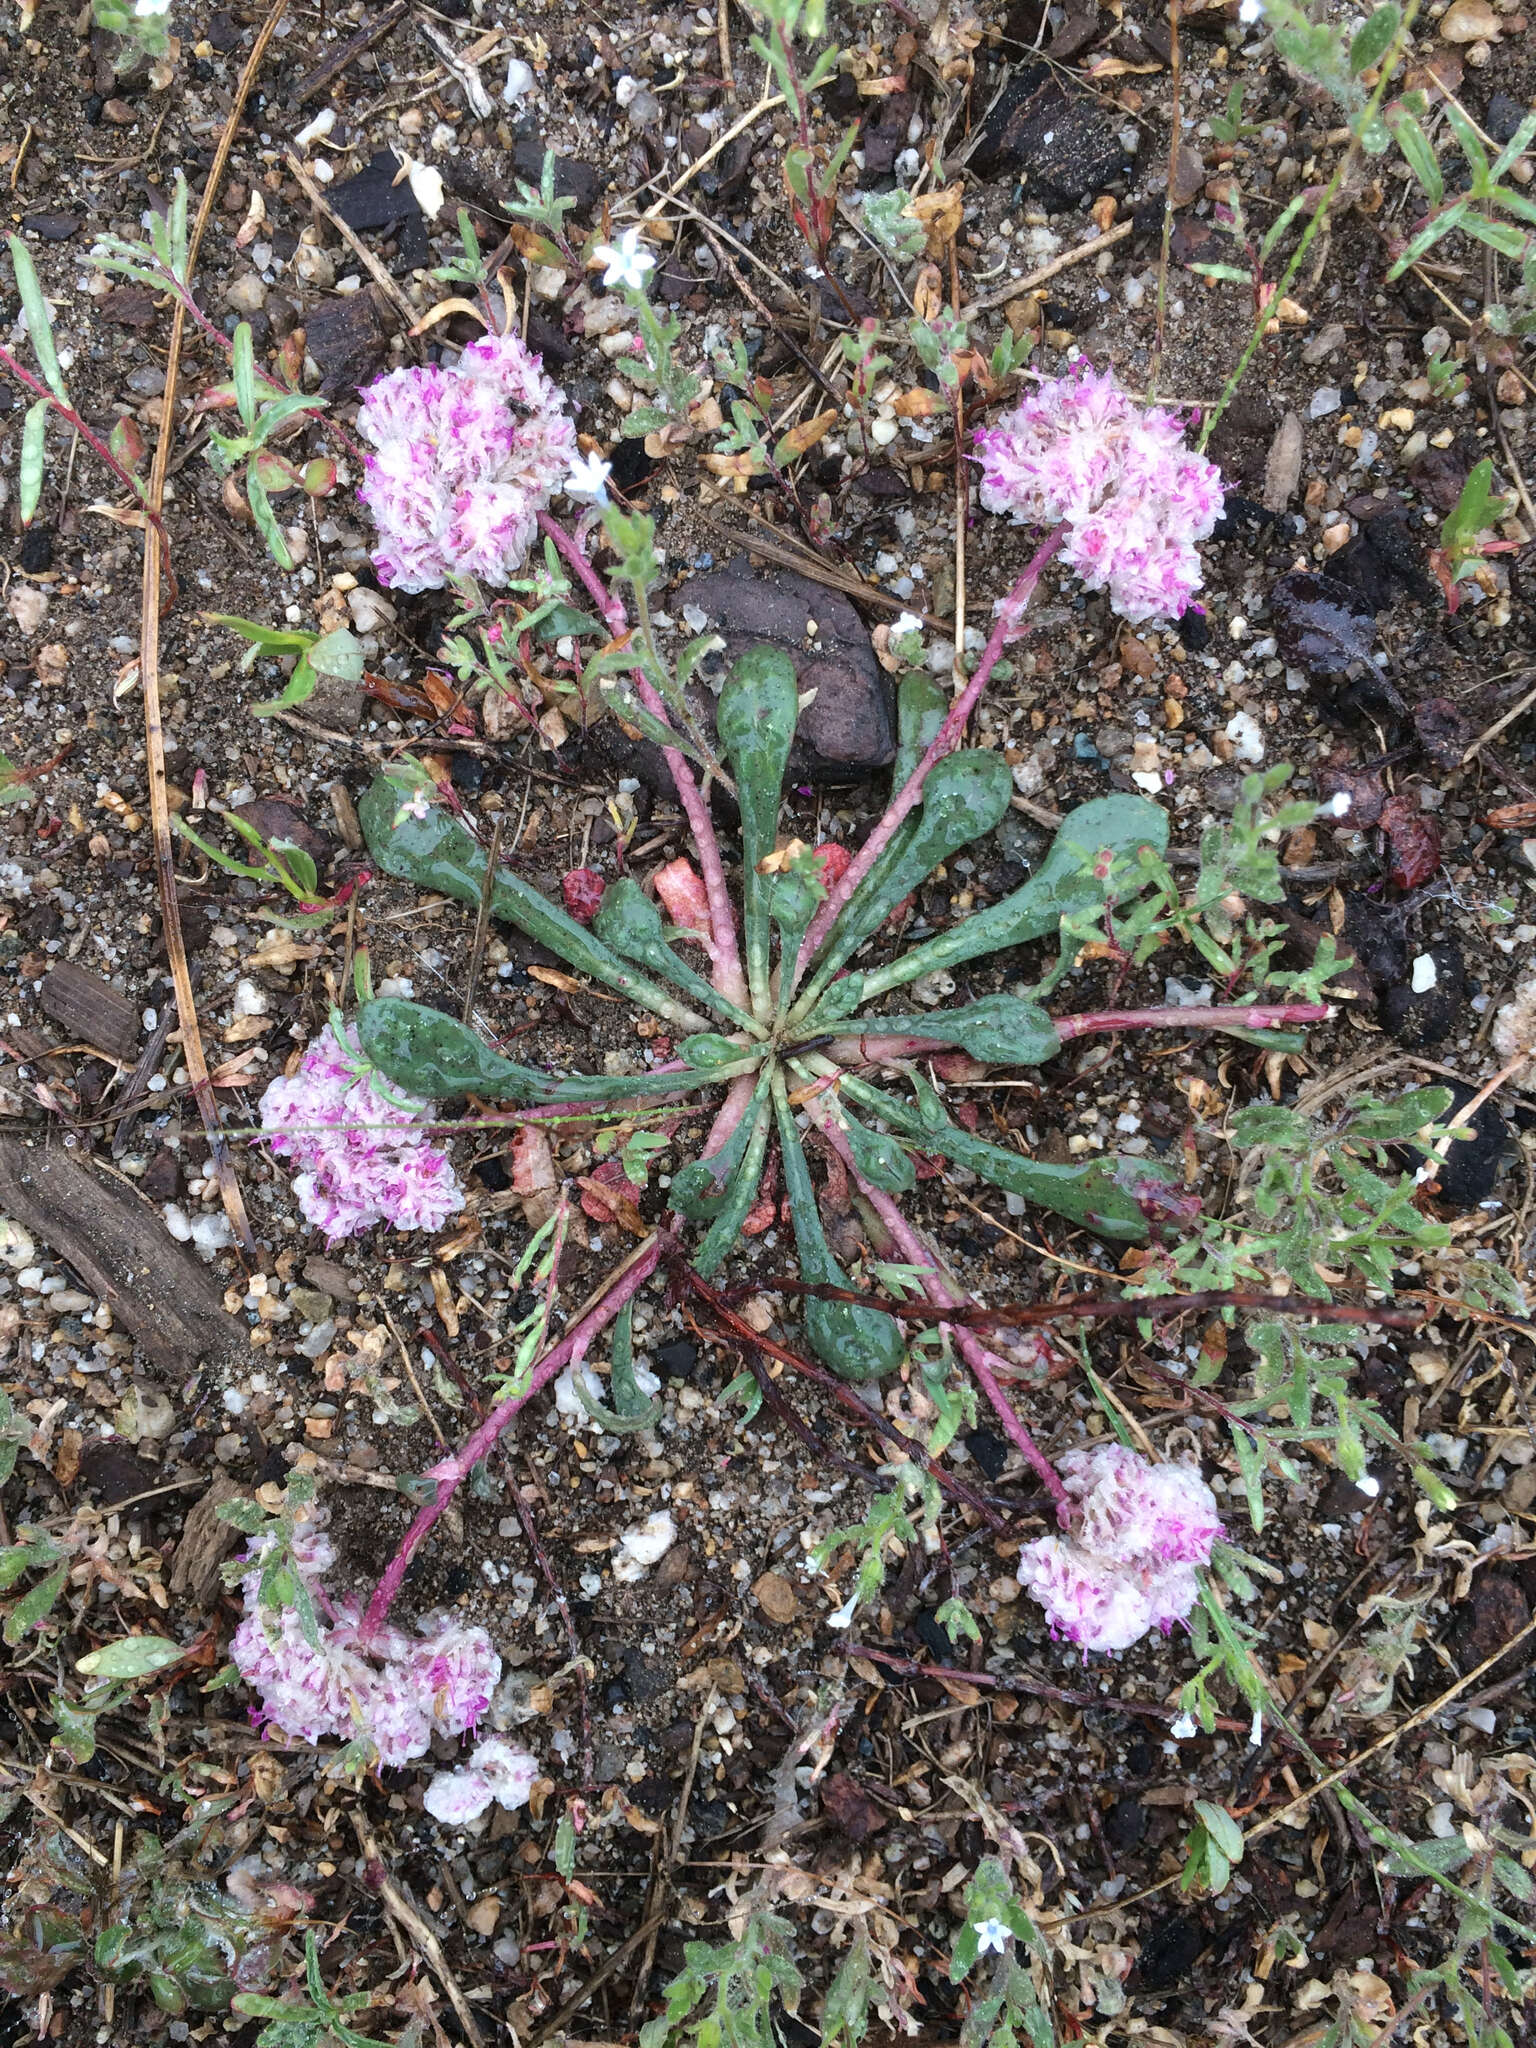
<point>582,889</point>
<point>764,1211</point>
<point>833,861</point>
<point>608,1195</point>
<point>681,889</point>
<point>1414,840</point>
<point>1364,787</point>
<point>533,1164</point>
<point>847,1804</point>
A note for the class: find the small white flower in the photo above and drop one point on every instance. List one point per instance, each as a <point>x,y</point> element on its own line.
<point>1368,1485</point>
<point>1340,805</point>
<point>1256,1732</point>
<point>1183,1730</point>
<point>842,1617</point>
<point>907,622</point>
<point>991,1934</point>
<point>626,261</point>
<point>589,478</point>
<point>147,7</point>
<point>1250,10</point>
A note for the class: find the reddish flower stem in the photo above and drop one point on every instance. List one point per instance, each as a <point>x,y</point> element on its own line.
<point>1213,1017</point>
<point>947,739</point>
<point>725,953</point>
<point>971,1349</point>
<point>873,1047</point>
<point>451,1473</point>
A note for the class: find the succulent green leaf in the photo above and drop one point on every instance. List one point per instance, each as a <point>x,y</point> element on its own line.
<point>631,1411</point>
<point>741,1192</point>
<point>266,519</point>
<point>884,1163</point>
<point>1068,881</point>
<point>699,1190</point>
<point>965,795</point>
<point>1372,42</point>
<point>74,1728</point>
<point>1004,1030</point>
<point>630,922</point>
<point>1100,1195</point>
<point>793,896</point>
<point>243,369</point>
<point>857,1343</point>
<point>1416,147</point>
<point>708,1050</point>
<point>755,720</point>
<point>921,708</point>
<point>438,1057</point>
<point>33,1608</point>
<point>437,852</point>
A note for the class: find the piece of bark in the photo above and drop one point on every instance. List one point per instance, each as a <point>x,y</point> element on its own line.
<point>205,1542</point>
<point>157,1290</point>
<point>1282,467</point>
<point>91,1012</point>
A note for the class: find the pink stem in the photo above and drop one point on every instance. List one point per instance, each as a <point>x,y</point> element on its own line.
<point>870,1048</point>
<point>1216,1017</point>
<point>451,1473</point>
<point>731,1112</point>
<point>725,954</point>
<point>946,740</point>
<point>972,1350</point>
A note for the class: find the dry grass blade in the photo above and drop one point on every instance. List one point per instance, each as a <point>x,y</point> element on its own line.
<point>149,670</point>
<point>400,1910</point>
<point>773,546</point>
<point>408,313</point>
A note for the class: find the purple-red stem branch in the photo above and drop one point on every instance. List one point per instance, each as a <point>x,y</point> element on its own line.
<point>451,1473</point>
<point>971,1349</point>
<point>725,953</point>
<point>67,412</point>
<point>946,740</point>
<point>871,1047</point>
<point>1199,1017</point>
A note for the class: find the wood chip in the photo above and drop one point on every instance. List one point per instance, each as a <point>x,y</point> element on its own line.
<point>205,1543</point>
<point>161,1293</point>
<point>91,1012</point>
<point>1282,467</point>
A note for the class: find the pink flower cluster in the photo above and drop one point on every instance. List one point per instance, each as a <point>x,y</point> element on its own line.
<point>467,458</point>
<point>396,1689</point>
<point>357,1142</point>
<point>1128,1563</point>
<point>1134,498</point>
<point>496,1771</point>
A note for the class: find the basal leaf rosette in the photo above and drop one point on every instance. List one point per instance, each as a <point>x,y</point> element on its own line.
<point>799,1053</point>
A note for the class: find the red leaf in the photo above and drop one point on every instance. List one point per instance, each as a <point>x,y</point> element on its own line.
<point>1414,839</point>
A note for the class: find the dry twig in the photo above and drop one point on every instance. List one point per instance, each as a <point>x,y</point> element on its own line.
<point>149,672</point>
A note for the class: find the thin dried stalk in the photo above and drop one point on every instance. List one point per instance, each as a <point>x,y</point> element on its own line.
<point>149,672</point>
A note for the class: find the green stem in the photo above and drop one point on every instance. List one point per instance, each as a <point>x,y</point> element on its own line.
<point>1313,227</point>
